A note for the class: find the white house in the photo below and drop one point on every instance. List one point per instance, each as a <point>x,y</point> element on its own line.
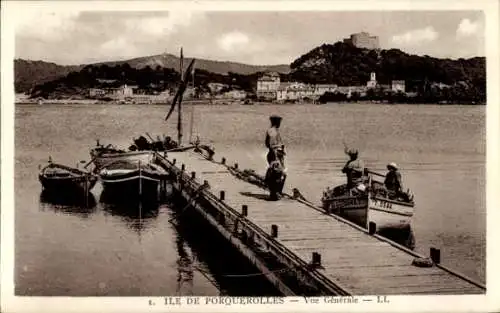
<point>372,83</point>
<point>268,85</point>
<point>398,85</point>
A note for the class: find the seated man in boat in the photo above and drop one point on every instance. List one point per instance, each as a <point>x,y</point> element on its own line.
<point>393,182</point>
<point>275,175</point>
<point>353,169</point>
<point>142,143</point>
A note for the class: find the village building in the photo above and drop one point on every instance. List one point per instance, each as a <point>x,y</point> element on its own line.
<point>216,87</point>
<point>372,83</point>
<point>398,86</point>
<point>320,89</point>
<point>123,91</point>
<point>235,94</point>
<point>97,93</point>
<point>268,85</point>
<point>349,90</point>
<point>295,92</point>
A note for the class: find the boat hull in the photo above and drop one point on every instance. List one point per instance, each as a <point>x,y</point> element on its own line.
<point>68,184</point>
<point>141,184</point>
<point>388,214</point>
<point>63,179</point>
<point>363,210</point>
<point>103,160</point>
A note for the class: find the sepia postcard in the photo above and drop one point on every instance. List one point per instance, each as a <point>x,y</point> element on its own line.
<point>278,156</point>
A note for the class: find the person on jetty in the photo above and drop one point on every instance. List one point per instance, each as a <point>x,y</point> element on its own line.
<point>393,181</point>
<point>275,176</point>
<point>353,169</point>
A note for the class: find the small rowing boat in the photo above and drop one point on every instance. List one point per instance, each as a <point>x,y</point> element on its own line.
<point>374,208</point>
<point>132,179</point>
<point>61,178</point>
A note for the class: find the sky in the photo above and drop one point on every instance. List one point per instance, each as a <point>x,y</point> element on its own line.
<point>81,37</point>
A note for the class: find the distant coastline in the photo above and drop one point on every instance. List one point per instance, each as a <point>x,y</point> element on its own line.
<point>227,103</point>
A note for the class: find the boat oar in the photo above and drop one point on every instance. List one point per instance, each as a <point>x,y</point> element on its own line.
<point>147,134</point>
<point>180,149</point>
<point>90,162</point>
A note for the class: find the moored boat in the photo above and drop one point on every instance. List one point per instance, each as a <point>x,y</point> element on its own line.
<point>103,156</point>
<point>373,207</point>
<point>61,178</point>
<point>132,179</point>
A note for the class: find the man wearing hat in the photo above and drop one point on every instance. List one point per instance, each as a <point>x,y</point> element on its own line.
<point>273,139</point>
<point>275,176</point>
<point>353,169</point>
<point>393,181</point>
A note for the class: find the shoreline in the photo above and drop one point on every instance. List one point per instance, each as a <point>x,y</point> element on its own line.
<point>233,102</point>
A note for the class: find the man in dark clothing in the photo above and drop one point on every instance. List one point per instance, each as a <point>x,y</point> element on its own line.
<point>275,176</point>
<point>273,140</point>
<point>393,181</point>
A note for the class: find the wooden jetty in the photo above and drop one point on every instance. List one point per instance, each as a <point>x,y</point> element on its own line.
<point>299,248</point>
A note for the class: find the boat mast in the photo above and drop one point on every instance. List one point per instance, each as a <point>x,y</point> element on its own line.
<point>192,110</point>
<point>179,116</point>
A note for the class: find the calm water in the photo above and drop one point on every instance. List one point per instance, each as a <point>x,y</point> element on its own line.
<point>63,250</point>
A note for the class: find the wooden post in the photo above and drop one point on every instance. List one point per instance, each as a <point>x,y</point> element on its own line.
<point>244,210</point>
<point>223,161</point>
<point>316,259</point>
<point>274,231</point>
<point>372,227</point>
<point>435,255</point>
<point>193,175</point>
<point>222,195</point>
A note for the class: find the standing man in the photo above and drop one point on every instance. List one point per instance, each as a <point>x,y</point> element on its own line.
<point>275,176</point>
<point>353,169</point>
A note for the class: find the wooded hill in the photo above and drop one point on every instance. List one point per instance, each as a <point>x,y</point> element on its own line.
<point>346,65</point>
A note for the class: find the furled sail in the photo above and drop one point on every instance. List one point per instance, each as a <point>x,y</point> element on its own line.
<point>182,88</point>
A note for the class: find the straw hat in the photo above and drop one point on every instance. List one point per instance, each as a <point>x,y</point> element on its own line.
<point>393,165</point>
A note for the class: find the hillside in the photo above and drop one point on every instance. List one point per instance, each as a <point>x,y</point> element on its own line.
<point>30,73</point>
<point>345,65</point>
<point>27,74</point>
<point>218,67</point>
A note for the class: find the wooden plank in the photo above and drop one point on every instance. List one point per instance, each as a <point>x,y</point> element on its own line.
<point>295,236</point>
<point>431,290</point>
<point>437,280</point>
<point>330,262</point>
<point>328,244</point>
<point>385,271</point>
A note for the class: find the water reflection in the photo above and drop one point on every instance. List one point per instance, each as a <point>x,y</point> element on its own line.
<point>404,237</point>
<point>213,257</point>
<point>184,268</point>
<point>68,203</point>
<point>136,214</point>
